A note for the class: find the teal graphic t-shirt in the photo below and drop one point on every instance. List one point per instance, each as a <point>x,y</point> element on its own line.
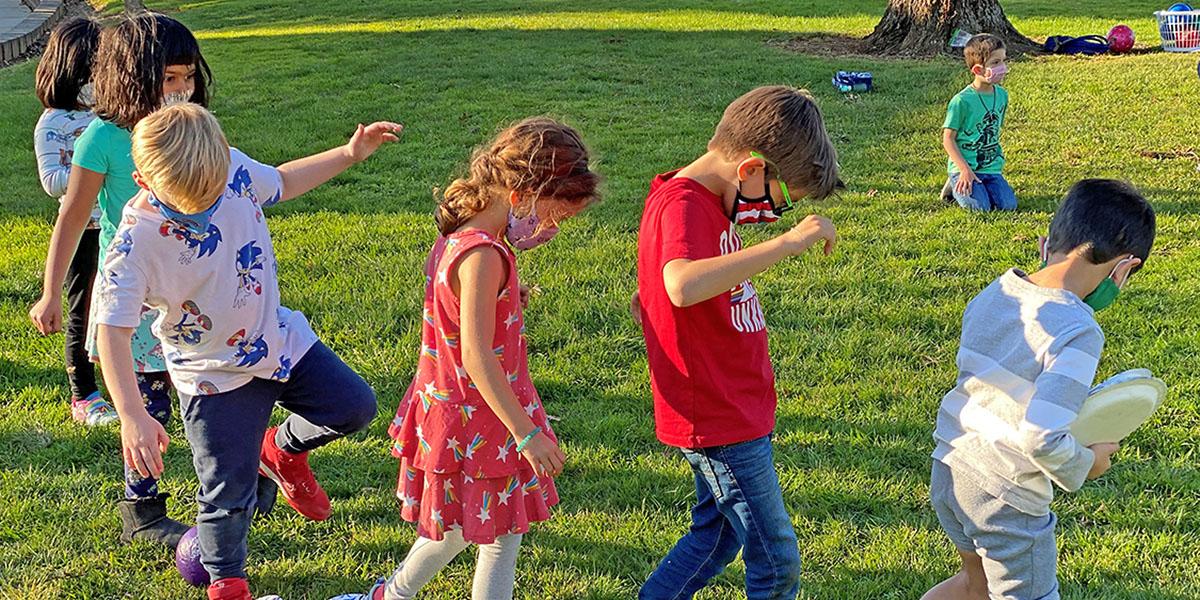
<point>105,149</point>
<point>977,118</point>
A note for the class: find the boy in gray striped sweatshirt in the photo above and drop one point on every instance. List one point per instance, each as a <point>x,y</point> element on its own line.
<point>1028,354</point>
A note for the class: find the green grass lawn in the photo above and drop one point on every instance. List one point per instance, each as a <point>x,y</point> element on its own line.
<point>863,342</point>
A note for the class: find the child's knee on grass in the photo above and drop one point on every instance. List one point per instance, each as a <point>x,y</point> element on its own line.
<point>1002,195</point>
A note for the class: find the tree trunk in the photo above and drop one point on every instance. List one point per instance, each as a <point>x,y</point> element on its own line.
<point>924,27</point>
<point>134,6</point>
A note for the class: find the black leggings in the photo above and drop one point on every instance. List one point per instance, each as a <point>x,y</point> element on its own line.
<point>80,374</point>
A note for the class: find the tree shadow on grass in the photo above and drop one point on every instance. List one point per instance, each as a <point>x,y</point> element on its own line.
<point>608,84</point>
<point>227,14</point>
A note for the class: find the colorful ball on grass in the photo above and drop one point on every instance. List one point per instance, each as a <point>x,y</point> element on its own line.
<point>187,560</point>
<point>1120,39</point>
<point>1167,26</point>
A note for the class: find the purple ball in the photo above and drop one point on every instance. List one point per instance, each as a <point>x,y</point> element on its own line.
<point>187,560</point>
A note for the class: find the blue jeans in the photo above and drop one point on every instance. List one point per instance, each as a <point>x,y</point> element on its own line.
<point>739,506</point>
<point>328,401</point>
<point>991,192</point>
<point>156,395</point>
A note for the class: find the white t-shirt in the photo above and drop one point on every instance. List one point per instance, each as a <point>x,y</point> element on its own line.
<point>221,323</point>
<point>54,142</point>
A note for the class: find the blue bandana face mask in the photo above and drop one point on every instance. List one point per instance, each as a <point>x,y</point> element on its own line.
<point>196,223</point>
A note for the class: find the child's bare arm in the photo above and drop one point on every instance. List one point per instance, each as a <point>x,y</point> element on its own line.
<point>303,174</point>
<point>967,177</point>
<point>143,439</point>
<point>691,282</point>
<point>83,186</point>
<point>480,276</point>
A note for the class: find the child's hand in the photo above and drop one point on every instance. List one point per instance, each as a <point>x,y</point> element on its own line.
<point>1103,462</point>
<point>143,441</point>
<point>635,308</point>
<point>966,180</point>
<point>811,230</point>
<point>47,314</point>
<point>543,454</point>
<point>367,139</point>
<point>525,290</point>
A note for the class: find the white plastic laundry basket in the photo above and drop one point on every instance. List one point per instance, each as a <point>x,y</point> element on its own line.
<point>1180,30</point>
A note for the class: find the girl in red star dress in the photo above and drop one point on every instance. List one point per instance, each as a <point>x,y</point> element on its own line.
<point>477,454</point>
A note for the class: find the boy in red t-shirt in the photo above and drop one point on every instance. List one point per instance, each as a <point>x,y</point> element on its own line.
<point>706,338</point>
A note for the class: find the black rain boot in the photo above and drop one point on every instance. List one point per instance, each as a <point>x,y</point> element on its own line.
<point>146,519</point>
<point>268,491</point>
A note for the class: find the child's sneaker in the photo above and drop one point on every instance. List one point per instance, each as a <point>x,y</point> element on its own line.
<point>232,588</point>
<point>295,479</point>
<point>93,411</point>
<point>375,593</point>
<point>948,193</point>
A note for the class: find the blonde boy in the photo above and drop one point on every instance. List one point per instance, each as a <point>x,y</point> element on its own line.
<point>194,245</point>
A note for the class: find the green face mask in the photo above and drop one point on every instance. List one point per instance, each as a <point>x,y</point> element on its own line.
<point>1104,295</point>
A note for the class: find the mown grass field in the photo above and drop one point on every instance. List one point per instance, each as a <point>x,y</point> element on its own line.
<point>863,342</point>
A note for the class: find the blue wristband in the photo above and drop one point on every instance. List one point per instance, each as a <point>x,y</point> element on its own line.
<point>528,438</point>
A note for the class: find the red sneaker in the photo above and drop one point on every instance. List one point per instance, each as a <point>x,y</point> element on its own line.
<point>294,477</point>
<point>230,588</point>
<point>233,588</point>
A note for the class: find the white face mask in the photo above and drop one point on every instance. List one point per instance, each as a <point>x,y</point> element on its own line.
<point>86,96</point>
<point>176,98</point>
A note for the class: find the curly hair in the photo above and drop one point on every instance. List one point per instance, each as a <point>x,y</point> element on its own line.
<point>66,65</point>
<point>132,61</point>
<point>537,157</point>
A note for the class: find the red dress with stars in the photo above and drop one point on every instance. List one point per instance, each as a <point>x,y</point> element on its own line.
<point>459,465</point>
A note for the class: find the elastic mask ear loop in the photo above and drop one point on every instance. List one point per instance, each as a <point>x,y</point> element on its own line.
<point>1113,275</point>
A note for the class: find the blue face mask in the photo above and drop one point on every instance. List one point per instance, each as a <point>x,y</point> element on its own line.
<point>196,223</point>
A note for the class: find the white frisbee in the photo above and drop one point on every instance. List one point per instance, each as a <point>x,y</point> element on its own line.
<point>1116,408</point>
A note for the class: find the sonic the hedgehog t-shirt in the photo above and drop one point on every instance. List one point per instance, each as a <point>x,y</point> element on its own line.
<point>221,321</point>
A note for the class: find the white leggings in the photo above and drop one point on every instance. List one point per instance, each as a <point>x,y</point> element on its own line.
<point>495,566</point>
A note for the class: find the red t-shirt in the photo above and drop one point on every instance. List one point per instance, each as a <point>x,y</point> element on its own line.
<point>709,367</point>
